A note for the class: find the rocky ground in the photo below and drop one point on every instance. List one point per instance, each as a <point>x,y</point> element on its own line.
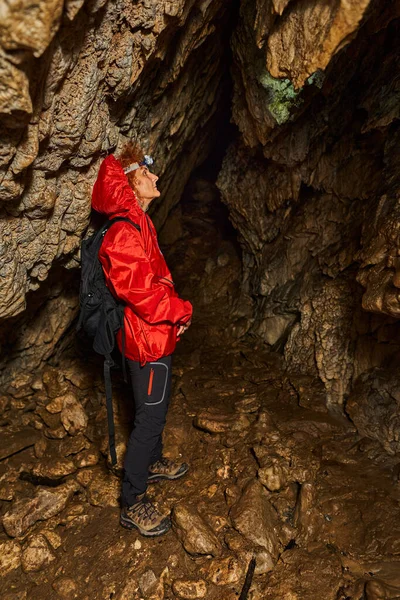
<point>274,474</point>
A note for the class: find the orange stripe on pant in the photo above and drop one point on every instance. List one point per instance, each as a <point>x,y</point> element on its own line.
<point>150,386</point>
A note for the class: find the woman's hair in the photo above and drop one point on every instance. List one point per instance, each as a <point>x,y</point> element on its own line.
<point>129,154</point>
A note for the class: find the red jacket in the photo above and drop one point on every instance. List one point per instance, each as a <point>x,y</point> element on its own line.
<point>136,271</point>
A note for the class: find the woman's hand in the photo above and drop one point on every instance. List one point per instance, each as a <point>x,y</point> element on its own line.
<point>183,328</point>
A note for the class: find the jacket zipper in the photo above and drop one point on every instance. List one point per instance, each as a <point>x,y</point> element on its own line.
<point>150,386</point>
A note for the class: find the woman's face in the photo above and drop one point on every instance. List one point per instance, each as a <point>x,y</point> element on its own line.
<point>144,186</point>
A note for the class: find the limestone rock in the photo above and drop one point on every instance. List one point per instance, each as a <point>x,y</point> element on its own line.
<point>194,533</point>
<point>189,589</point>
<point>274,475</point>
<point>104,490</point>
<point>45,504</point>
<point>56,405</point>
<point>87,458</point>
<point>152,588</point>
<point>255,518</point>
<point>54,470</point>
<point>225,571</point>
<point>36,554</point>
<point>66,588</point>
<point>52,537</point>
<point>73,415</point>
<point>248,404</point>
<point>307,37</point>
<point>245,550</point>
<point>15,441</point>
<point>54,382</point>
<point>10,557</point>
<point>220,423</point>
<point>40,448</point>
<point>147,582</point>
<point>374,407</point>
<point>74,445</point>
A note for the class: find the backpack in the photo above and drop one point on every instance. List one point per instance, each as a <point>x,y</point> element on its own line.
<point>101,315</point>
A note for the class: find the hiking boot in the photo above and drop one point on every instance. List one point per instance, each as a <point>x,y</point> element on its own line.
<point>144,517</point>
<point>166,469</point>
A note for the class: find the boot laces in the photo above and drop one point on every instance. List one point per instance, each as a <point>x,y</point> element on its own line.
<point>146,510</point>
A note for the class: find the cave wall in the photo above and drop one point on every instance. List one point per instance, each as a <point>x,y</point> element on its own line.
<point>311,184</point>
<point>78,79</point>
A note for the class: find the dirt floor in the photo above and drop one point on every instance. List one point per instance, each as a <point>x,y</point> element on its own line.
<point>273,475</point>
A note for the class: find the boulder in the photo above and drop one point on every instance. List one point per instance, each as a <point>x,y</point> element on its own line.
<point>45,504</point>
<point>256,519</point>
<point>196,536</point>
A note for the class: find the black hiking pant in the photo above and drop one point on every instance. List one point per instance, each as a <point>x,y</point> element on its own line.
<point>151,386</point>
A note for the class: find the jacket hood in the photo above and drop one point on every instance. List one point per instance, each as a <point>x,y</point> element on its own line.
<point>112,195</point>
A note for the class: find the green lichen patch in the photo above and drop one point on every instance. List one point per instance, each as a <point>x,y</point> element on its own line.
<point>282,97</point>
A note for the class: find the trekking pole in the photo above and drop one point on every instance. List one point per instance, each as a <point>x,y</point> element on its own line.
<point>248,580</point>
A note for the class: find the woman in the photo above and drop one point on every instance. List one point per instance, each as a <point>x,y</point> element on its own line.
<point>136,273</point>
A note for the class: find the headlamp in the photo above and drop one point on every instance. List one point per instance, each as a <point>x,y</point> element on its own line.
<point>147,161</point>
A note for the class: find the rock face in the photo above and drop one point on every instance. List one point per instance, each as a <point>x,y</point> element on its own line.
<point>374,407</point>
<point>77,83</point>
<point>311,184</point>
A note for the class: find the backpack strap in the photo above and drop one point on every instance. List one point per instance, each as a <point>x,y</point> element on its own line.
<point>116,220</point>
<point>108,363</point>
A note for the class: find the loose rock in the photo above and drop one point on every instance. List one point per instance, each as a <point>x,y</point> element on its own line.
<point>255,518</point>
<point>37,554</point>
<point>224,571</point>
<point>10,557</point>
<point>65,588</point>
<point>45,504</point>
<point>73,416</point>
<point>104,490</point>
<point>51,469</point>
<point>189,589</point>
<point>194,533</point>
<point>220,423</point>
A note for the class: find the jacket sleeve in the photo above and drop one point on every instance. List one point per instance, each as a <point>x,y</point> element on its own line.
<point>130,277</point>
